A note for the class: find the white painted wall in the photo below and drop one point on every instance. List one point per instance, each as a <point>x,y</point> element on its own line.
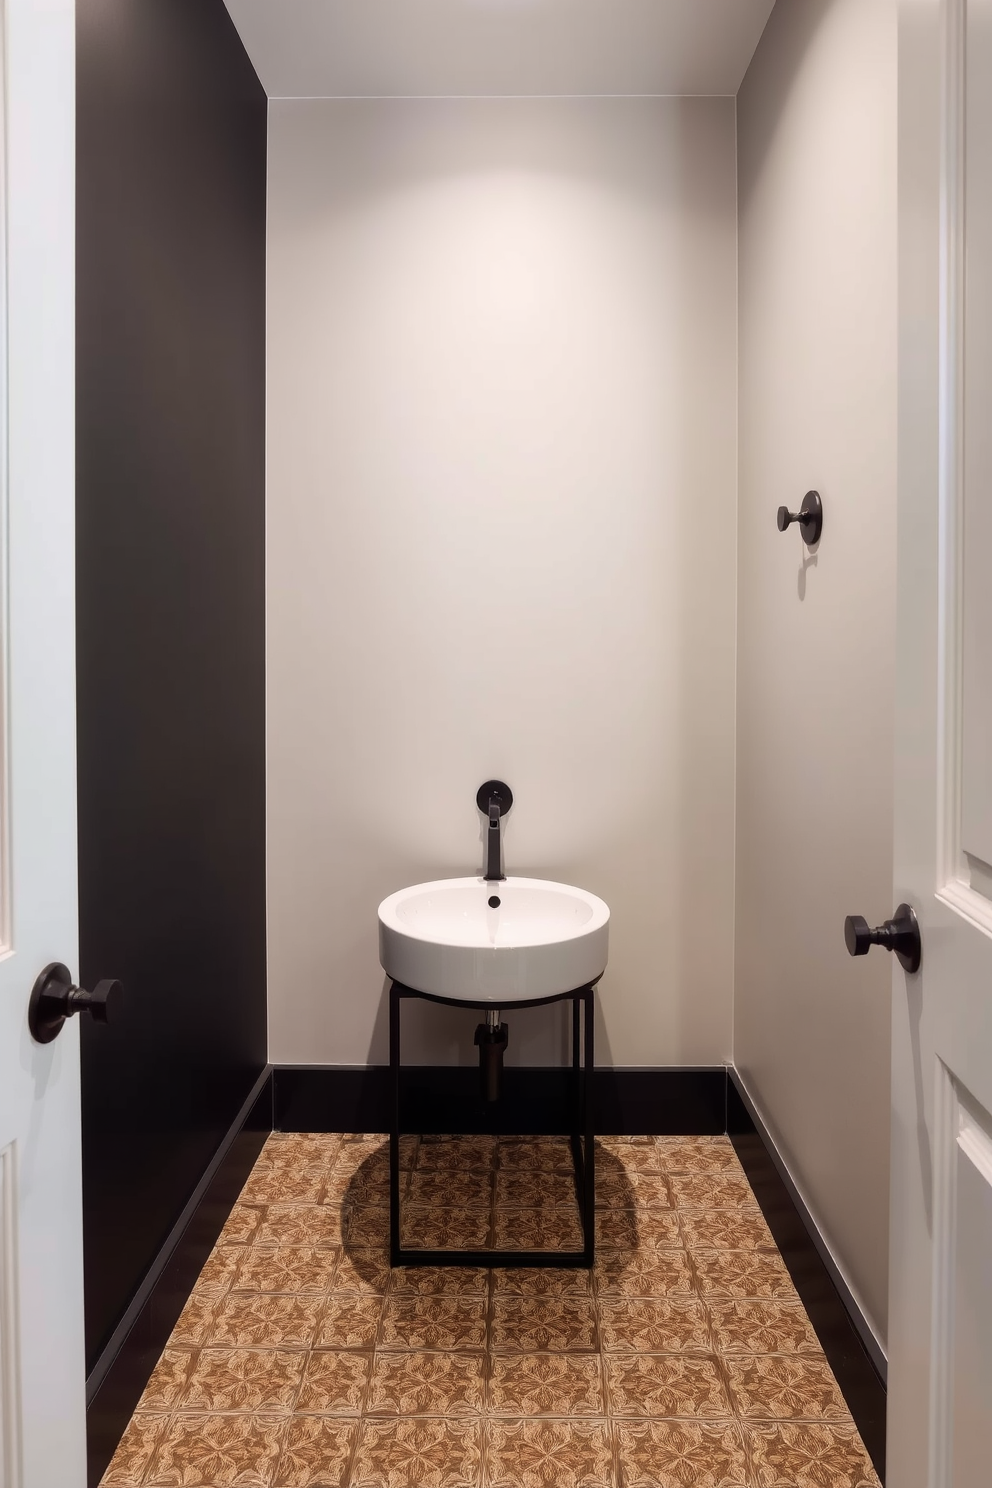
<point>501,542</point>
<point>817,182</point>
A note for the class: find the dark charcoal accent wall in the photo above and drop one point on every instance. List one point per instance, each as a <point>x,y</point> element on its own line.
<point>170,510</point>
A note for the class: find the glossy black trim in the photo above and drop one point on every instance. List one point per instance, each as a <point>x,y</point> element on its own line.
<point>793,1230</point>
<point>120,1374</point>
<point>653,1102</point>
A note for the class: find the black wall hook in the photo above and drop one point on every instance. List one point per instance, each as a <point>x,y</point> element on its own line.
<point>809,516</point>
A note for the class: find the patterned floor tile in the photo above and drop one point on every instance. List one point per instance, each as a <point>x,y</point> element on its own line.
<point>542,1281</point>
<point>286,1226</point>
<point>711,1191</point>
<point>532,1324</point>
<point>725,1229</point>
<point>428,1227</point>
<point>544,1153</point>
<point>362,1270</point>
<point>243,1380</point>
<point>290,1269</point>
<point>244,1321</point>
<point>433,1322</point>
<point>316,1453</point>
<point>784,1388</point>
<point>334,1382</point>
<point>217,1450</point>
<point>135,1450</point>
<point>349,1321</point>
<point>666,1385</point>
<point>462,1153</point>
<point>427,1384</point>
<point>674,1325</point>
<point>742,1273</point>
<point>537,1229</point>
<point>679,1156</point>
<point>546,1385</point>
<point>681,1454</point>
<point>168,1380</point>
<point>683,1360</point>
<point>418,1453</point>
<point>809,1455</point>
<point>549,1454</point>
<point>644,1273</point>
<point>453,1281</point>
<point>761,1326</point>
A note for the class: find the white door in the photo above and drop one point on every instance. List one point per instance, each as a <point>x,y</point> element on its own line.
<point>940,1334</point>
<point>42,1427</point>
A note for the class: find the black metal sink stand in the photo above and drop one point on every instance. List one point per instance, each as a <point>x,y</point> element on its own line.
<point>581,1129</point>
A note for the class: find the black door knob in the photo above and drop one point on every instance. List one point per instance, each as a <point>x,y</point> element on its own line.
<point>900,934</point>
<point>809,516</point>
<point>54,998</point>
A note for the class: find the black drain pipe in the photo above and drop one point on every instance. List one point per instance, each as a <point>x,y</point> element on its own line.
<point>491,1038</point>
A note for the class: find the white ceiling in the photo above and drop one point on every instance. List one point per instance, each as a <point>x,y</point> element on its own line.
<point>362,48</point>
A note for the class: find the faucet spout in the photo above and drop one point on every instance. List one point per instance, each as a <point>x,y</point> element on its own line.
<point>494,868</point>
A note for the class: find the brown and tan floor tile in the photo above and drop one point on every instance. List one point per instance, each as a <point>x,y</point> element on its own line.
<point>681,1454</point>
<point>546,1385</point>
<point>453,1281</point>
<point>711,1191</point>
<point>615,1190</point>
<point>168,1380</point>
<point>677,1155</point>
<point>541,1281</point>
<point>675,1325</point>
<point>465,1154</point>
<point>649,1191</point>
<point>274,1321</point>
<point>543,1153</point>
<point>317,1452</point>
<point>349,1321</point>
<point>529,1188</point>
<point>433,1322</point>
<point>784,1387</point>
<point>618,1229</point>
<point>363,1226</point>
<point>627,1159</point>
<point>537,1229</point>
<point>334,1382</point>
<point>421,1452</point>
<point>427,1227</point>
<point>283,1186</point>
<point>742,1273</point>
<point>287,1226</point>
<point>530,1325</point>
<point>300,1150</point>
<point>293,1269</point>
<point>666,1385</point>
<point>362,1270</point>
<point>219,1451</point>
<point>219,1272</point>
<point>427,1384</point>
<point>761,1326</point>
<point>195,1321</point>
<point>241,1225</point>
<point>450,1188</point>
<point>232,1379</point>
<point>135,1451</point>
<point>809,1455</point>
<point>644,1273</point>
<point>549,1454</point>
<point>725,1229</point>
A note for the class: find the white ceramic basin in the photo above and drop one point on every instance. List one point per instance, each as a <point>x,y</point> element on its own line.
<point>541,939</point>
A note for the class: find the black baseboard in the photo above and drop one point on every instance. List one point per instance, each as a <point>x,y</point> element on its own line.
<point>833,1311</point>
<point>123,1368</point>
<point>446,1098</point>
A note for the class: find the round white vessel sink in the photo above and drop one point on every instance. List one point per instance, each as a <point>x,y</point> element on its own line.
<point>540,939</point>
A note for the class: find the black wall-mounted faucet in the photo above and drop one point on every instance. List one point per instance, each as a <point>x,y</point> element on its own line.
<point>495,799</point>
